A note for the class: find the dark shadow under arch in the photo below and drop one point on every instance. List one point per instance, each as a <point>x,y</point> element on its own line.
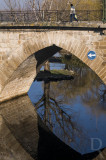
<point>45,53</point>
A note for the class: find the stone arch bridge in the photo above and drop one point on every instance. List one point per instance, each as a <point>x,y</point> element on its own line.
<point>16,45</point>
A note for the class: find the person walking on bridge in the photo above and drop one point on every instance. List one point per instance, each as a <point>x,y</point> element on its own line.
<point>72,13</point>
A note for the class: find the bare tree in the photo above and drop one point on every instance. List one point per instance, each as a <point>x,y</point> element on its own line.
<point>58,4</point>
<point>12,5</point>
<point>53,115</point>
<point>33,5</point>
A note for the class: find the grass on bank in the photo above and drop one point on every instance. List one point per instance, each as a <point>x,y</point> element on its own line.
<point>62,72</point>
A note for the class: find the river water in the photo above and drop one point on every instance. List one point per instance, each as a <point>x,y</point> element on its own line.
<point>74,110</point>
<point>58,118</point>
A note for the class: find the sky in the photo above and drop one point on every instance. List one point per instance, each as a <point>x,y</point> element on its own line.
<point>3,5</point>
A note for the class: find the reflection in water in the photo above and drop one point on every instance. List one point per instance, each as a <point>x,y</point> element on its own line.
<point>67,111</point>
<point>23,136</point>
<point>74,110</point>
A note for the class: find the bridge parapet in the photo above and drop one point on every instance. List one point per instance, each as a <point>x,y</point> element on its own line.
<point>87,25</point>
<point>49,15</point>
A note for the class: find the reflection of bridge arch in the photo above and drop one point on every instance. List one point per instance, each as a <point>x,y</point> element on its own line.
<point>45,39</point>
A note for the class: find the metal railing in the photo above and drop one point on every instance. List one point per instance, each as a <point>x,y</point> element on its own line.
<point>49,16</point>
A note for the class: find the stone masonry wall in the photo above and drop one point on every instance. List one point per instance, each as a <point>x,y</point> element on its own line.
<point>22,44</point>
<point>11,40</point>
<point>19,135</point>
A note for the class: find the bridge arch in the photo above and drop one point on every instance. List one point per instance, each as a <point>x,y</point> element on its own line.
<point>43,40</point>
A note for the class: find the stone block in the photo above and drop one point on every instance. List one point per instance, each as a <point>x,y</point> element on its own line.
<point>104,39</point>
<point>13,35</point>
<point>102,47</point>
<point>23,36</point>
<point>103,51</point>
<point>102,71</point>
<point>104,63</point>
<point>1,87</point>
<point>102,43</point>
<point>96,63</point>
<point>4,45</point>
<point>96,43</point>
<point>103,75</point>
<point>104,58</point>
<point>84,53</point>
<point>80,50</point>
<point>26,49</point>
<point>0,57</point>
<point>99,68</point>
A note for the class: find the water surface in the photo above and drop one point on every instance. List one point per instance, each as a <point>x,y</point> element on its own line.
<point>74,110</point>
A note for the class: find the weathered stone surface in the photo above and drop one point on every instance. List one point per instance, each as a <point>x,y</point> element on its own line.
<point>18,130</point>
<point>25,44</point>
<point>20,81</point>
<point>74,24</point>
